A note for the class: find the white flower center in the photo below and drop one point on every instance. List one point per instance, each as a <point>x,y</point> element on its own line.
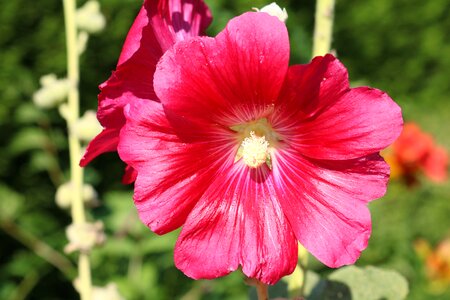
<point>257,142</point>
<point>255,150</point>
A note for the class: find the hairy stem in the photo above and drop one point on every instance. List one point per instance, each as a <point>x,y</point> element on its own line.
<point>323,27</point>
<point>262,290</point>
<point>76,173</point>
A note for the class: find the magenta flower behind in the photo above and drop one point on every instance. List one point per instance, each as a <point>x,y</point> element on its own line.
<point>248,154</point>
<point>157,27</point>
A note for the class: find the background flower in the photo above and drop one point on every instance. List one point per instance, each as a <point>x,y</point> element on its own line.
<point>157,27</point>
<point>415,151</point>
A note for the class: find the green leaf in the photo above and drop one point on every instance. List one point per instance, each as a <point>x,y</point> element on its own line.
<point>22,262</point>
<point>28,113</point>
<point>317,288</point>
<point>354,283</point>
<point>371,283</point>
<point>153,243</point>
<point>42,161</point>
<point>117,210</point>
<point>10,204</point>
<point>28,139</point>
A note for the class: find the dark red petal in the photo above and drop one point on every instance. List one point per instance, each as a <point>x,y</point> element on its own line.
<point>325,202</point>
<point>172,174</point>
<point>238,221</point>
<point>105,141</point>
<point>157,27</point>
<point>129,176</point>
<point>165,22</point>
<point>234,78</point>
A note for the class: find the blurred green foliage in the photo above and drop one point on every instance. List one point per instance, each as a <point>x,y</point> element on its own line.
<point>401,46</point>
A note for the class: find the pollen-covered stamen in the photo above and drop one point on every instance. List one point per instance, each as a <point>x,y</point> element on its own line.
<point>255,150</point>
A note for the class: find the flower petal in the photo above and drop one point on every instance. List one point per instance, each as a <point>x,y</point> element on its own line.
<point>333,121</point>
<point>311,88</point>
<point>165,22</point>
<point>325,202</point>
<point>235,77</point>
<point>172,174</point>
<point>129,176</point>
<point>105,141</point>
<point>157,27</point>
<point>238,221</point>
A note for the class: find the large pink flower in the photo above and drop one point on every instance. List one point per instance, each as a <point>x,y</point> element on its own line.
<point>253,156</point>
<point>159,24</point>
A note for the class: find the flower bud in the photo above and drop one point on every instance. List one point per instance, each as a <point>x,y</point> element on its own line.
<point>274,10</point>
<point>53,91</point>
<point>83,38</point>
<point>89,17</point>
<point>64,194</point>
<point>87,127</point>
<point>83,237</point>
<point>108,292</point>
<point>64,111</point>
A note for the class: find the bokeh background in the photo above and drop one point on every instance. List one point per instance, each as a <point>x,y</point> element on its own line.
<point>400,46</point>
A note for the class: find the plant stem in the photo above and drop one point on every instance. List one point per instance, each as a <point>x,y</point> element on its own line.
<point>41,249</point>
<point>262,290</point>
<point>30,280</point>
<point>303,263</point>
<point>323,28</point>
<point>76,173</point>
<point>54,171</point>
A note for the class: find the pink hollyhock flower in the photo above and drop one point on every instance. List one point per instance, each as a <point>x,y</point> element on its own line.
<point>159,24</point>
<point>252,156</point>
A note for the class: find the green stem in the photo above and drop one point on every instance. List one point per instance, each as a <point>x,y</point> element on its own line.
<point>303,263</point>
<point>29,282</point>
<point>41,249</point>
<point>262,290</point>
<point>323,28</point>
<point>54,171</point>
<point>76,173</point>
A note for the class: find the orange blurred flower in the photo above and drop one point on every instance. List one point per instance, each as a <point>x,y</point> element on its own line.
<point>437,263</point>
<point>435,164</point>
<point>414,152</point>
